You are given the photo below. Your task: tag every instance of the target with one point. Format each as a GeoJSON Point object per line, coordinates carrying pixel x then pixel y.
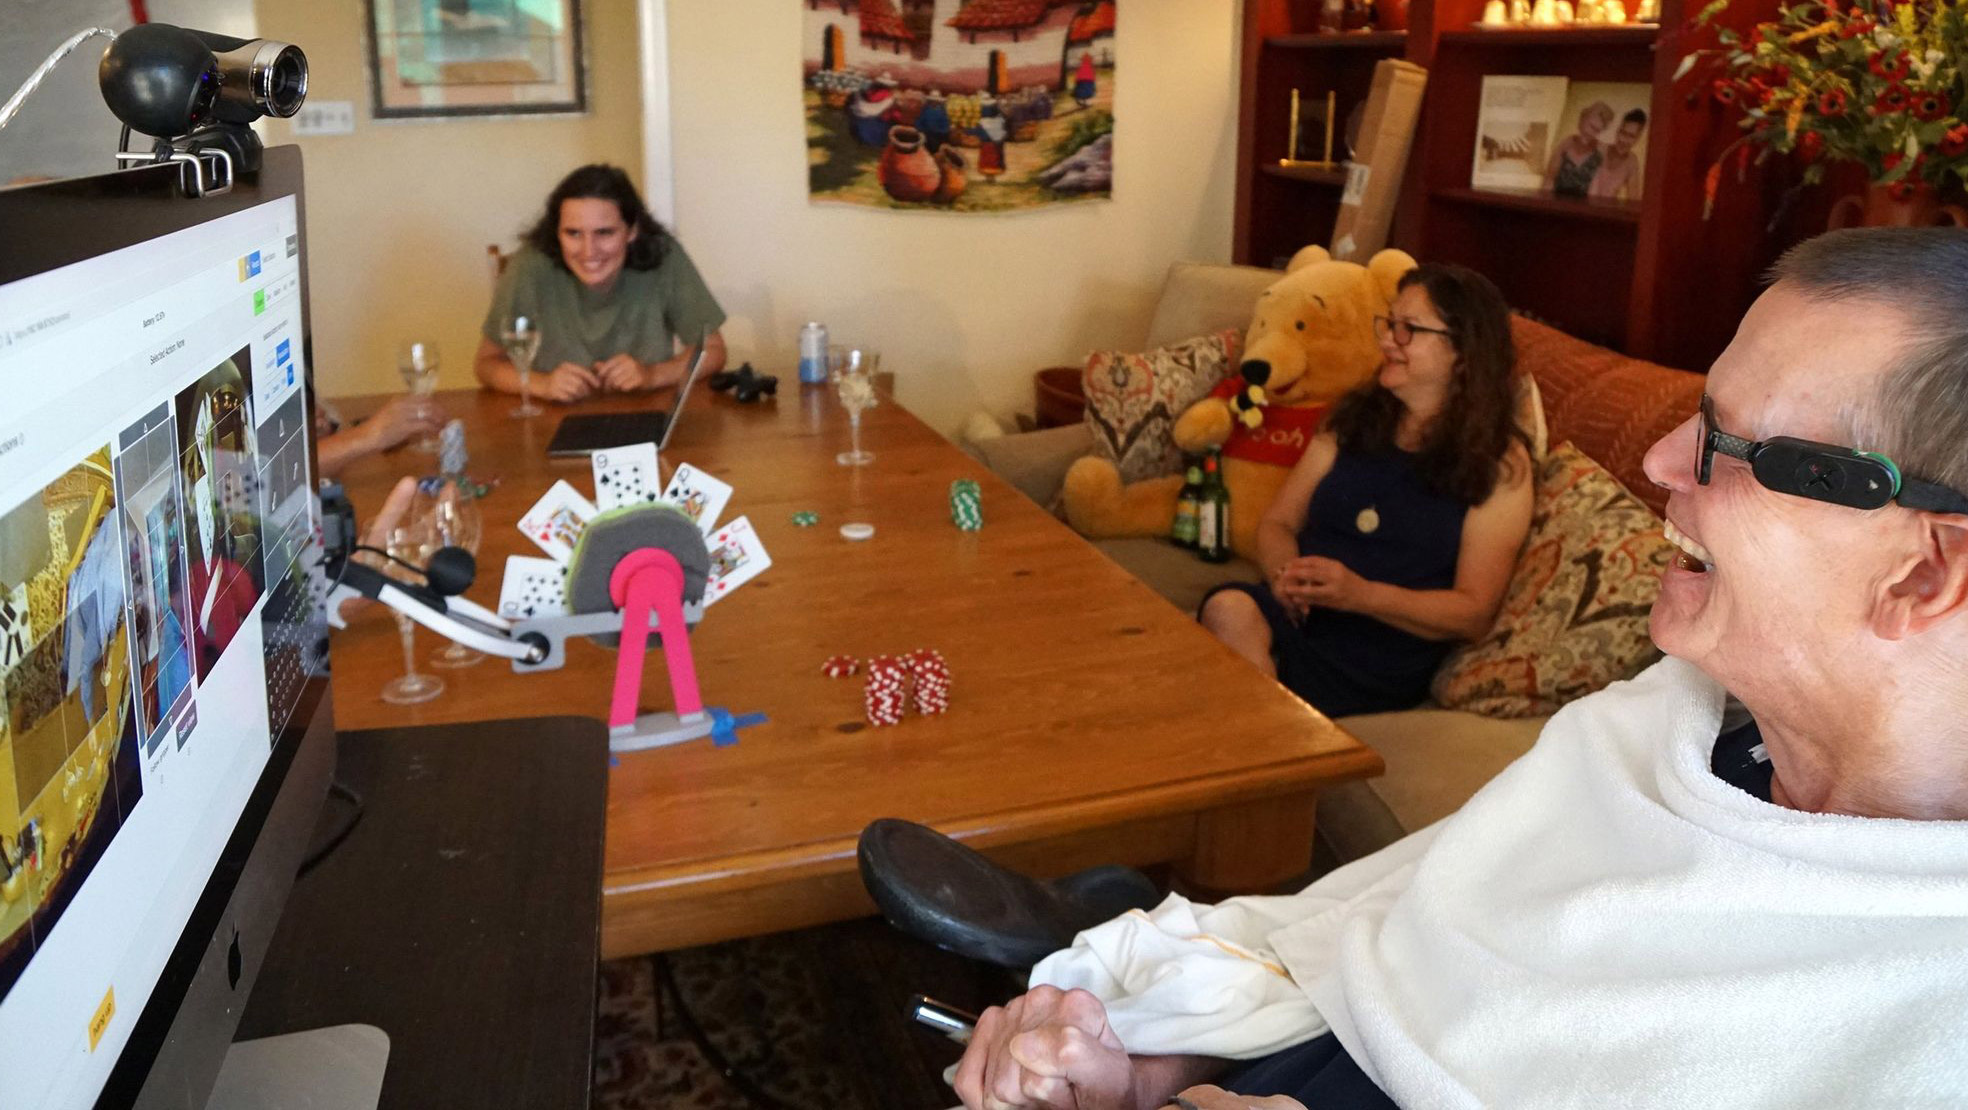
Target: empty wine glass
{"type": "Point", "coordinates": [454, 521]}
{"type": "Point", "coordinates": [413, 541]}
{"type": "Point", "coordinates": [522, 343]}
{"type": "Point", "coordinates": [853, 372]}
{"type": "Point", "coordinates": [417, 360]}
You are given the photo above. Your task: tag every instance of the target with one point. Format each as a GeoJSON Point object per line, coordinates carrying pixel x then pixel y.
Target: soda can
{"type": "Point", "coordinates": [813, 353]}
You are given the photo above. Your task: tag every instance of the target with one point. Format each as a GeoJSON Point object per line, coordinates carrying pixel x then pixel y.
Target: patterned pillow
{"type": "Point", "coordinates": [1575, 616]}
{"type": "Point", "coordinates": [1133, 400]}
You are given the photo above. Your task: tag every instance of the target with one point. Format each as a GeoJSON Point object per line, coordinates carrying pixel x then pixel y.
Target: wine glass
{"type": "Point", "coordinates": [853, 372]}
{"type": "Point", "coordinates": [417, 360]}
{"type": "Point", "coordinates": [454, 521]}
{"type": "Point", "coordinates": [522, 343]}
{"type": "Point", "coordinates": [412, 541]}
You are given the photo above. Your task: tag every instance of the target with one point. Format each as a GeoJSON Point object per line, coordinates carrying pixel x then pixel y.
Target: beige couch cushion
{"type": "Point", "coordinates": [1436, 758]}
{"type": "Point", "coordinates": [1200, 297]}
{"type": "Point", "coordinates": [1174, 572]}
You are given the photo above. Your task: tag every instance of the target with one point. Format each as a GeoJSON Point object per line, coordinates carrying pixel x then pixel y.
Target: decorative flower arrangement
{"type": "Point", "coordinates": [1868, 81]}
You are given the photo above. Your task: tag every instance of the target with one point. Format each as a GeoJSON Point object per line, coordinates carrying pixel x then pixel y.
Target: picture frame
{"type": "Point", "coordinates": [447, 58]}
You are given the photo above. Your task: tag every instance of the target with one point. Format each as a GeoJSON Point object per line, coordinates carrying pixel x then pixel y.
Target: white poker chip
{"type": "Point", "coordinates": [858, 531]}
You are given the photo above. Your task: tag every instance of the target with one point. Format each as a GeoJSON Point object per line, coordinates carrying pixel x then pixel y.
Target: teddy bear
{"type": "Point", "coordinates": [1311, 341]}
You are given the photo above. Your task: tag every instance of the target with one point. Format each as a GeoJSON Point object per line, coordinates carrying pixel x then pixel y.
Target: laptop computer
{"type": "Point", "coordinates": [586, 433]}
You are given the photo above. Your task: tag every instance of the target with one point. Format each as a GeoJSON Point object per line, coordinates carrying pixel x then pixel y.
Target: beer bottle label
{"type": "Point", "coordinates": [1183, 530]}
{"type": "Point", "coordinates": [1207, 534]}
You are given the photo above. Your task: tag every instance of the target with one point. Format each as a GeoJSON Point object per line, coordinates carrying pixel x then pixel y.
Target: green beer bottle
{"type": "Point", "coordinates": [1188, 504]}
{"type": "Point", "coordinates": [1213, 515]}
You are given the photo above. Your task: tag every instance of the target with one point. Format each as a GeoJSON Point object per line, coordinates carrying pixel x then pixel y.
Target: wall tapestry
{"type": "Point", "coordinates": [959, 105]}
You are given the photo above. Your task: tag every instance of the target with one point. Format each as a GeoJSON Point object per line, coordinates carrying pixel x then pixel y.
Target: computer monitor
{"type": "Point", "coordinates": [165, 740]}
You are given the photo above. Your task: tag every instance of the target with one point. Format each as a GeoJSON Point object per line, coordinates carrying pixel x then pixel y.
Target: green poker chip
{"type": "Point", "coordinates": [966, 505]}
{"type": "Point", "coordinates": [806, 520]}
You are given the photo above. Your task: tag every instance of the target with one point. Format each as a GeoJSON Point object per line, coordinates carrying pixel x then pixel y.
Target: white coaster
{"type": "Point", "coordinates": [858, 531]}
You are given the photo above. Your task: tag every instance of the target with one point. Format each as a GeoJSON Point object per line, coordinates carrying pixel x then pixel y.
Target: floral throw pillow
{"type": "Point", "coordinates": [1575, 617]}
{"type": "Point", "coordinates": [1134, 400]}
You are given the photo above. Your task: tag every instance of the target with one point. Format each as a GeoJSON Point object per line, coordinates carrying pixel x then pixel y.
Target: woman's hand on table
{"type": "Point", "coordinates": [566, 383]}
{"type": "Point", "coordinates": [623, 374]}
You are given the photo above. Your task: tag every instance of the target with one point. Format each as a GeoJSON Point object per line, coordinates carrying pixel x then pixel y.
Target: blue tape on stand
{"type": "Point", "coordinates": [724, 727]}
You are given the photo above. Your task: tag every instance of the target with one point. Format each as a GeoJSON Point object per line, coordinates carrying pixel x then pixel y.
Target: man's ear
{"type": "Point", "coordinates": [1931, 585]}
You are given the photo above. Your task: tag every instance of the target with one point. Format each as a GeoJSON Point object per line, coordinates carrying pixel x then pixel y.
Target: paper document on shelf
{"type": "Point", "coordinates": [1517, 129]}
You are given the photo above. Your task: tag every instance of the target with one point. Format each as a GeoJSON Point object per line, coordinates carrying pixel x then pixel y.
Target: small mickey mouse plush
{"type": "Point", "coordinates": [746, 384]}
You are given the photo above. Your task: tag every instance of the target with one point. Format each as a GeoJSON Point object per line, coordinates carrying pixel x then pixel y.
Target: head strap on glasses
{"type": "Point", "coordinates": [1824, 471]}
{"type": "Point", "coordinates": [1840, 476]}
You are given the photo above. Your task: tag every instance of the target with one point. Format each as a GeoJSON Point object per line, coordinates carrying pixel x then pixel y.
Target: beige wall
{"type": "Point", "coordinates": [399, 212]}
{"type": "Point", "coordinates": [964, 308]}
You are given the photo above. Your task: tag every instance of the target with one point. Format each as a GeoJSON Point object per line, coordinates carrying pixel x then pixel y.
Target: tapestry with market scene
{"type": "Point", "coordinates": [959, 105]}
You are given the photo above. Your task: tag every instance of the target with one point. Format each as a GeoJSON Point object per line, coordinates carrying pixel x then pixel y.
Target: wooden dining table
{"type": "Point", "coordinates": [1090, 721]}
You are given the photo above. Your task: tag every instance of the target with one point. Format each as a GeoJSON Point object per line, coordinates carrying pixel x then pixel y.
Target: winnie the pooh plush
{"type": "Point", "coordinates": [1311, 340]}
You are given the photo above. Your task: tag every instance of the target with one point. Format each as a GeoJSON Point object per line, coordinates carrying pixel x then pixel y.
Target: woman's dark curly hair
{"type": "Point", "coordinates": [1463, 448]}
{"type": "Point", "coordinates": [602, 182]}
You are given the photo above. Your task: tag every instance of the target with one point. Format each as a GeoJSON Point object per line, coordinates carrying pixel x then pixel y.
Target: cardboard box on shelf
{"type": "Point", "coordinates": [1373, 177]}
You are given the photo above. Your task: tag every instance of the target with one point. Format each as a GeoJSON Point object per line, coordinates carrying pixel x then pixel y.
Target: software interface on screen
{"type": "Point", "coordinates": [156, 619]}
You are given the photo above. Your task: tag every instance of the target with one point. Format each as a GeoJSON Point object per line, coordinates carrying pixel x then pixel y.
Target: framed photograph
{"type": "Point", "coordinates": [1515, 130]}
{"type": "Point", "coordinates": [475, 58]}
{"type": "Point", "coordinates": [1605, 141]}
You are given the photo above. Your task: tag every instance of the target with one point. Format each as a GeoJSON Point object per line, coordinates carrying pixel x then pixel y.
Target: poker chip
{"type": "Point", "coordinates": [806, 519]}
{"type": "Point", "coordinates": [930, 674]}
{"type": "Point", "coordinates": [887, 694]}
{"type": "Point", "coordinates": [858, 531]}
{"type": "Point", "coordinates": [841, 666]}
{"type": "Point", "coordinates": [966, 505]}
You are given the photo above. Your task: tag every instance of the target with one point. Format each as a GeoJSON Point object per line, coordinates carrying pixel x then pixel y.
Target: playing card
{"type": "Point", "coordinates": [701, 497]}
{"type": "Point", "coordinates": [557, 520]}
{"type": "Point", "coordinates": [625, 476]}
{"type": "Point", "coordinates": [533, 587]}
{"type": "Point", "coordinates": [737, 557]}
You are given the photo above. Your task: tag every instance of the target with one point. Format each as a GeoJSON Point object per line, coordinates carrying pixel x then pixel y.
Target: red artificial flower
{"type": "Point", "coordinates": [1810, 146]}
{"type": "Point", "coordinates": [1831, 102]}
{"type": "Point", "coordinates": [1894, 99]}
{"type": "Point", "coordinates": [1930, 106]}
{"type": "Point", "coordinates": [1954, 143]}
{"type": "Point", "coordinates": [1892, 69]}
{"type": "Point", "coordinates": [1779, 76]}
{"type": "Point", "coordinates": [1859, 25]}
{"type": "Point", "coordinates": [1892, 161]}
{"type": "Point", "coordinates": [1902, 189]}
{"type": "Point", "coordinates": [1725, 91]}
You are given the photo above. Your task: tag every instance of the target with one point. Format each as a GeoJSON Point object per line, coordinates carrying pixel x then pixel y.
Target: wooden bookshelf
{"type": "Point", "coordinates": [1309, 175]}
{"type": "Point", "coordinates": [1389, 41]}
{"type": "Point", "coordinates": [1544, 204]}
{"type": "Point", "coordinates": [1646, 276]}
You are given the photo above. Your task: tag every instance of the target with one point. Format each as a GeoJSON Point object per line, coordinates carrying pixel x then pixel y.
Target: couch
{"type": "Point", "coordinates": [1611, 406]}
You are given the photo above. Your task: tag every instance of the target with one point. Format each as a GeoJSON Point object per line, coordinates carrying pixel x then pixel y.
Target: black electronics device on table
{"type": "Point", "coordinates": [588, 432]}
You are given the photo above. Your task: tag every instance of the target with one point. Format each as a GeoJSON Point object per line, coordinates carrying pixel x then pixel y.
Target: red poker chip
{"type": "Point", "coordinates": [840, 666]}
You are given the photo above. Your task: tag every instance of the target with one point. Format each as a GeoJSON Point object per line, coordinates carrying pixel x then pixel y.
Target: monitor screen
{"type": "Point", "coordinates": [158, 617]}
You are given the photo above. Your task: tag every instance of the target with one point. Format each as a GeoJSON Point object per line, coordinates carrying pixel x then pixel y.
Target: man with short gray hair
{"type": "Point", "coordinates": [1644, 910]}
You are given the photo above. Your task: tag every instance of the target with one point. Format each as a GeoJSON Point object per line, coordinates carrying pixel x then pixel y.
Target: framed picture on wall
{"type": "Point", "coordinates": [475, 57]}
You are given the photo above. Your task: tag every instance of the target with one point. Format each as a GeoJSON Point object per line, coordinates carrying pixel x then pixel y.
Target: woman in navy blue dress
{"type": "Point", "coordinates": [1396, 533]}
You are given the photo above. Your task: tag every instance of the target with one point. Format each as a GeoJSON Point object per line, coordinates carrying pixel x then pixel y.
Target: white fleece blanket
{"type": "Point", "coordinates": [1606, 923]}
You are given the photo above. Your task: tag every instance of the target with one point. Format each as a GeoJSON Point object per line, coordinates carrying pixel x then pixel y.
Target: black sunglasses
{"type": "Point", "coordinates": [1821, 471]}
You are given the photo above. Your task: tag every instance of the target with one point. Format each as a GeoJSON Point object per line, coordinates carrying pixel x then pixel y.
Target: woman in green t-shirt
{"type": "Point", "coordinates": [618, 304]}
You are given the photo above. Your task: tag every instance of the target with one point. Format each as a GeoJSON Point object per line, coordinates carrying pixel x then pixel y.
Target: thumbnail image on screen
{"type": "Point", "coordinates": [68, 766]}
{"type": "Point", "coordinates": [157, 576]}
{"type": "Point", "coordinates": [217, 454]}
{"type": "Point", "coordinates": [294, 630]}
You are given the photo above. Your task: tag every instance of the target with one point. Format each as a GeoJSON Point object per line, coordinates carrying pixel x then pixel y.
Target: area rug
{"type": "Point", "coordinates": [807, 1020]}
